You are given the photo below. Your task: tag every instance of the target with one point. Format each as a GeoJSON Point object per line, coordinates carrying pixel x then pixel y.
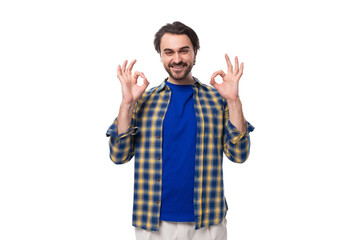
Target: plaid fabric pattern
{"type": "Point", "coordinates": [215, 135]}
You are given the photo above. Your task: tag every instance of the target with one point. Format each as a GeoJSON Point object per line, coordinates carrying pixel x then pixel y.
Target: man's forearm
{"type": "Point", "coordinates": [124, 116]}
{"type": "Point", "coordinates": [236, 115]}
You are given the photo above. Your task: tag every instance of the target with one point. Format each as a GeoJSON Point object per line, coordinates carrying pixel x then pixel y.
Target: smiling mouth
{"type": "Point", "coordinates": [178, 67]}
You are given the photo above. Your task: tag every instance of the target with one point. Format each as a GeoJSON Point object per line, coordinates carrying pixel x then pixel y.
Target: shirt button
{"type": "Point", "coordinates": [157, 202]}
{"type": "Point", "coordinates": [158, 158]}
{"type": "Point", "coordinates": [158, 179]}
{"type": "Point", "coordinates": [158, 136]}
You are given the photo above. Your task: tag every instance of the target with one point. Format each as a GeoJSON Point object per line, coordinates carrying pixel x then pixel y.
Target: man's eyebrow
{"type": "Point", "coordinates": [182, 48]}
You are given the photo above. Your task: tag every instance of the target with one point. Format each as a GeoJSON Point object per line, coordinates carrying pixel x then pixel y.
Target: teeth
{"type": "Point", "coordinates": [178, 67]}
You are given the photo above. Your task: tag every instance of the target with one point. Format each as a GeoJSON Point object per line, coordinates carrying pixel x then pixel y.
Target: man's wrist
{"type": "Point", "coordinates": [127, 105]}
{"type": "Point", "coordinates": [234, 102]}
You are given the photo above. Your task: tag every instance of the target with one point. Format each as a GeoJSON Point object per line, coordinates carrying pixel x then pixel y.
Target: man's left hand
{"type": "Point", "coordinates": [229, 88]}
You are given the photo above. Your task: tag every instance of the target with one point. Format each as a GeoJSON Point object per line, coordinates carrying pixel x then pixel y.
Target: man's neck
{"type": "Point", "coordinates": [189, 80]}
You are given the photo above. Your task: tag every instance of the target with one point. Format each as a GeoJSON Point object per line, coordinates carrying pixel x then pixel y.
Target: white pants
{"type": "Point", "coordinates": [183, 231]}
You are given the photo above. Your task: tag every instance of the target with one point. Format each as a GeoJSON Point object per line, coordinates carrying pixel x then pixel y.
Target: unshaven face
{"type": "Point", "coordinates": [178, 56]}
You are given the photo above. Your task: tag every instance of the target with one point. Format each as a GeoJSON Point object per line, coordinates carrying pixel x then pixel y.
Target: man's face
{"type": "Point", "coordinates": [178, 56]}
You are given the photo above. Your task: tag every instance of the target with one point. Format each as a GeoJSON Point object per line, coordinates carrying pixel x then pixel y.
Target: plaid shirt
{"type": "Point", "coordinates": [215, 135]}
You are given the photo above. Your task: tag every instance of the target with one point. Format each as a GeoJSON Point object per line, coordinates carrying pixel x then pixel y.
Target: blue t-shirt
{"type": "Point", "coordinates": [178, 164]}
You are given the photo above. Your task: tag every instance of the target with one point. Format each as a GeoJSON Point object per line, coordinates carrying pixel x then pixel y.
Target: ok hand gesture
{"type": "Point", "coordinates": [230, 86]}
{"type": "Point", "coordinates": [131, 92]}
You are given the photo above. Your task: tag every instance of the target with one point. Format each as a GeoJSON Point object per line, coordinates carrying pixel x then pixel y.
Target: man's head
{"type": "Point", "coordinates": [177, 45]}
{"type": "Point", "coordinates": [177, 28]}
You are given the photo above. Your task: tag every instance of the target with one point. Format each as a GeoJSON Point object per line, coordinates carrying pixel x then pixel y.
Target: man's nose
{"type": "Point", "coordinates": [177, 58]}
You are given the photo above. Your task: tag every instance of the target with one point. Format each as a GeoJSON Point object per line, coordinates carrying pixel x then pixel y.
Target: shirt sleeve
{"type": "Point", "coordinates": [236, 143]}
{"type": "Point", "coordinates": [121, 145]}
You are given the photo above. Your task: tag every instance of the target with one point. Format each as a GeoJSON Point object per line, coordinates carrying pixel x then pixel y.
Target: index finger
{"type": "Point", "coordinates": [136, 76]}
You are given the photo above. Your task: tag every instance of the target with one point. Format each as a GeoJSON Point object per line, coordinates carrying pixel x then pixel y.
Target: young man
{"type": "Point", "coordinates": [178, 132]}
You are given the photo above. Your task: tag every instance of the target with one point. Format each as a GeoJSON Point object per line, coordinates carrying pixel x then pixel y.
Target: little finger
{"type": "Point", "coordinates": [119, 71]}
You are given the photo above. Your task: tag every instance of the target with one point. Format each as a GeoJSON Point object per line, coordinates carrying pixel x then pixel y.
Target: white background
{"type": "Point", "coordinates": [59, 94]}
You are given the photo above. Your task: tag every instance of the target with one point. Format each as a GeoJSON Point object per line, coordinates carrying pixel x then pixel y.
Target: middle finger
{"type": "Point", "coordinates": [124, 66]}
{"type": "Point", "coordinates": [236, 70]}
{"type": "Point", "coordinates": [230, 66]}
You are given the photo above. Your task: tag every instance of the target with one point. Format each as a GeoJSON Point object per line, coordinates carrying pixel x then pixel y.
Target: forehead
{"type": "Point", "coordinates": [175, 41]}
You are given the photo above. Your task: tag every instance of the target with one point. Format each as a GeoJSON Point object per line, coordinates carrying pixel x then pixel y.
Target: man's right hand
{"type": "Point", "coordinates": [131, 91]}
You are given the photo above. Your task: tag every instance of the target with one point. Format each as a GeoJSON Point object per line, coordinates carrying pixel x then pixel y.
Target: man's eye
{"type": "Point", "coordinates": [168, 53]}
{"type": "Point", "coordinates": [184, 51]}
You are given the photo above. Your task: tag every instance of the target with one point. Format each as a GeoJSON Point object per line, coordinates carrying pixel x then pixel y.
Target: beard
{"type": "Point", "coordinates": [181, 75]}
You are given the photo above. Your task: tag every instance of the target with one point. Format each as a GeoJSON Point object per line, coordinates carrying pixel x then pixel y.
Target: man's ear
{"type": "Point", "coordinates": [195, 56]}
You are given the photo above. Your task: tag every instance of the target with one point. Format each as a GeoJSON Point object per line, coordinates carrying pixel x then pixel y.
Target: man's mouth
{"type": "Point", "coordinates": [178, 66]}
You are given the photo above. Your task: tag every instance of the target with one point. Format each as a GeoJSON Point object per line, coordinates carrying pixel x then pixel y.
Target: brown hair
{"type": "Point", "coordinates": [176, 28]}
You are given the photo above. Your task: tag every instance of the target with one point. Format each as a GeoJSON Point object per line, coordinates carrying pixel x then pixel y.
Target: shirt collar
{"type": "Point", "coordinates": [163, 84]}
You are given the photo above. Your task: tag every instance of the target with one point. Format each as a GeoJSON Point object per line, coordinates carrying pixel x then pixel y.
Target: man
{"type": "Point", "coordinates": [178, 132]}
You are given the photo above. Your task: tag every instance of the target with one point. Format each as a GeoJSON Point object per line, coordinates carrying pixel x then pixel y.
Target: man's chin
{"type": "Point", "coordinates": [180, 76]}
{"type": "Point", "coordinates": [177, 76]}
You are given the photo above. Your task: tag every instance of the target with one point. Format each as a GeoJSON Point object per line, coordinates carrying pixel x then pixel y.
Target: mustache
{"type": "Point", "coordinates": [178, 64]}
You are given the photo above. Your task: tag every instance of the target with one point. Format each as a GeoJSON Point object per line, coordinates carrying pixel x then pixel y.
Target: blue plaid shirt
{"type": "Point", "coordinates": [215, 135]}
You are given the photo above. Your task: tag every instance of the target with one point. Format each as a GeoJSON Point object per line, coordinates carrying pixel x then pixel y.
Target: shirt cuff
{"type": "Point", "coordinates": [113, 132]}
{"type": "Point", "coordinates": [234, 135]}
